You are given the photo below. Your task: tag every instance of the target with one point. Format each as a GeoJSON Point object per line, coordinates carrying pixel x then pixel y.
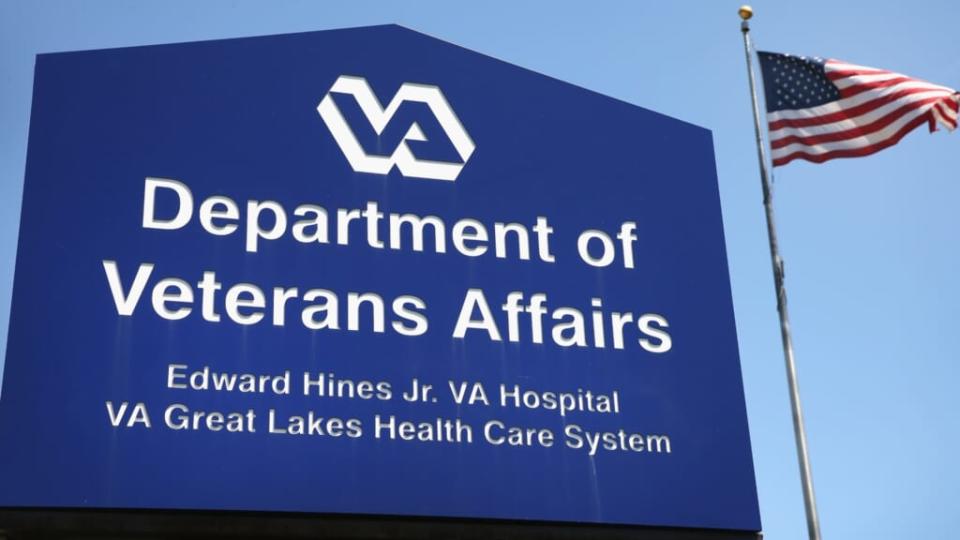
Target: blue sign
{"type": "Point", "coordinates": [369, 272]}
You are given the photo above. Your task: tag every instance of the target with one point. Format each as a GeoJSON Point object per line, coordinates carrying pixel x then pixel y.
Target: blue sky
{"type": "Point", "coordinates": [870, 244]}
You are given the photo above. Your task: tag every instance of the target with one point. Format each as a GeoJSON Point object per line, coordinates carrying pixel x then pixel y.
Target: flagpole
{"type": "Point", "coordinates": [806, 477]}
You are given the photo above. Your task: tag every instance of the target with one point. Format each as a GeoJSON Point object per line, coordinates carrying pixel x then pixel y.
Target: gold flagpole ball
{"type": "Point", "coordinates": [745, 12]}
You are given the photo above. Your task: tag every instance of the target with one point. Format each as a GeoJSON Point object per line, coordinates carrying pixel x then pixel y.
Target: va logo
{"type": "Point", "coordinates": [379, 117]}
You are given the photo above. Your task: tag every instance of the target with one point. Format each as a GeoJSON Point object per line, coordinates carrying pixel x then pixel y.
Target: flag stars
{"type": "Point", "coordinates": [796, 81]}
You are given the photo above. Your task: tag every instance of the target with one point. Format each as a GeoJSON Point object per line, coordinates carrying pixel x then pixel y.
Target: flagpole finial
{"type": "Point", "coordinates": [746, 12]}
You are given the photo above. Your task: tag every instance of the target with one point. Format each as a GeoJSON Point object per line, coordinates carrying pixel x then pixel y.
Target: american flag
{"type": "Point", "coordinates": [820, 109]}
